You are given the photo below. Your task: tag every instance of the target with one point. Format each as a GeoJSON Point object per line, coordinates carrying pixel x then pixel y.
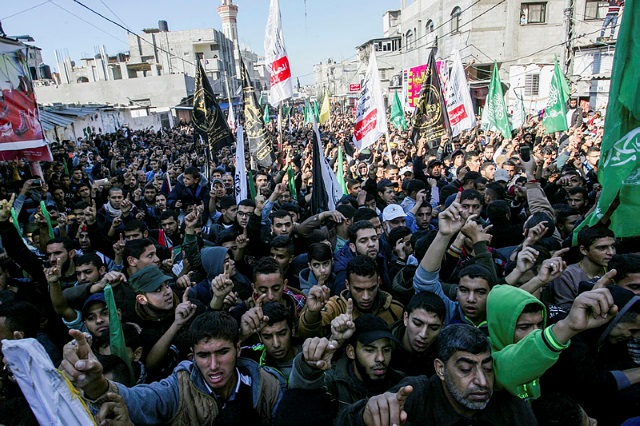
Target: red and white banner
{"type": "Point", "coordinates": [21, 134]}
{"type": "Point", "coordinates": [354, 87]}
{"type": "Point", "coordinates": [371, 117]}
{"type": "Point", "coordinates": [276, 57]}
{"type": "Point", "coordinates": [458, 98]}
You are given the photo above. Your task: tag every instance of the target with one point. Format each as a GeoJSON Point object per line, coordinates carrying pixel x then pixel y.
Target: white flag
{"type": "Point", "coordinates": [458, 98]}
{"type": "Point", "coordinates": [276, 57]}
{"type": "Point", "coordinates": [231, 118]}
{"type": "Point", "coordinates": [371, 116]}
{"type": "Point", "coordinates": [329, 180]}
{"type": "Point", "coordinates": [240, 178]}
{"type": "Point", "coordinates": [51, 397]}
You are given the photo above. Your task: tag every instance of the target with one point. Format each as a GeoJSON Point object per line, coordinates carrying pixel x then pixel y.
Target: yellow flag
{"type": "Point", "coordinates": [324, 111]}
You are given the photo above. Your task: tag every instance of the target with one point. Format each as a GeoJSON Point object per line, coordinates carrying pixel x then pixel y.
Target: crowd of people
{"type": "Point", "coordinates": [443, 289]}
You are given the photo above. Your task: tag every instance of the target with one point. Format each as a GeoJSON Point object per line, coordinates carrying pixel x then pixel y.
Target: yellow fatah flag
{"type": "Point", "coordinates": [325, 110]}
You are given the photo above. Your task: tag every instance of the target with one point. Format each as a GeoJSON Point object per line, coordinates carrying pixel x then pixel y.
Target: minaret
{"type": "Point", "coordinates": [228, 13]}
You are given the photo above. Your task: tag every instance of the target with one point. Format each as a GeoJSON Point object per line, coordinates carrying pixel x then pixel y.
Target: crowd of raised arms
{"type": "Point", "coordinates": [446, 288]}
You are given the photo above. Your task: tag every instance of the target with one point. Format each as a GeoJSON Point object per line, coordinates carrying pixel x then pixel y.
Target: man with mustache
{"type": "Point", "coordinates": [462, 390]}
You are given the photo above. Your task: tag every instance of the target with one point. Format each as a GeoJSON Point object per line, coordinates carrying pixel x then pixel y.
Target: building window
{"type": "Point", "coordinates": [533, 13]}
{"type": "Point", "coordinates": [410, 40]}
{"type": "Point", "coordinates": [429, 27]}
{"type": "Point", "coordinates": [531, 84]}
{"type": "Point", "coordinates": [455, 19]}
{"type": "Point", "coordinates": [595, 9]}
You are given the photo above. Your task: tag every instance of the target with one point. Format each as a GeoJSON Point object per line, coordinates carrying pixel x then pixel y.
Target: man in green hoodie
{"type": "Point", "coordinates": [523, 346]}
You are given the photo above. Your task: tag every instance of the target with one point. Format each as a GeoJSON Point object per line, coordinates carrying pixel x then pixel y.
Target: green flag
{"type": "Point", "coordinates": [45, 213]}
{"type": "Point", "coordinates": [397, 114]}
{"type": "Point", "coordinates": [316, 111]}
{"type": "Point", "coordinates": [14, 219]}
{"type": "Point", "coordinates": [116, 336]}
{"type": "Point", "coordinates": [308, 115]}
{"type": "Point", "coordinates": [555, 113]}
{"type": "Point", "coordinates": [292, 183]}
{"type": "Point", "coordinates": [265, 116]}
{"type": "Point", "coordinates": [619, 166]}
{"type": "Point", "coordinates": [496, 108]}
{"type": "Point", "coordinates": [252, 186]}
{"type": "Point", "coordinates": [340, 176]}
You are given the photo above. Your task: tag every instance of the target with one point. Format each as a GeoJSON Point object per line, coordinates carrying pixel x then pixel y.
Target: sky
{"type": "Point", "coordinates": [314, 30]}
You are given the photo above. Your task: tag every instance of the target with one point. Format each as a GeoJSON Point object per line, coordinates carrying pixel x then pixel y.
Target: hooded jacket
{"type": "Point", "coordinates": [212, 259]}
{"type": "Point", "coordinates": [518, 366]}
{"type": "Point", "coordinates": [308, 280]}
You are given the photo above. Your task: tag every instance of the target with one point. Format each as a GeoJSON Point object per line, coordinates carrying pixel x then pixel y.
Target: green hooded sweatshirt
{"type": "Point", "coordinates": [518, 366]}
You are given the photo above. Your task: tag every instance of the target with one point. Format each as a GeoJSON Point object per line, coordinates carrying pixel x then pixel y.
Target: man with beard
{"type": "Point", "coordinates": [362, 293]}
{"type": "Point", "coordinates": [362, 371]}
{"type": "Point", "coordinates": [460, 392]}
{"type": "Point", "coordinates": [60, 250]}
{"type": "Point", "coordinates": [148, 206]}
{"type": "Point", "coordinates": [161, 317]}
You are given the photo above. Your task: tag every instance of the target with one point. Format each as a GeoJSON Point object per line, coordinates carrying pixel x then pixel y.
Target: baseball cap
{"type": "Point", "coordinates": [392, 211]}
{"type": "Point", "coordinates": [370, 328]}
{"type": "Point", "coordinates": [216, 181]}
{"type": "Point", "coordinates": [433, 163]}
{"type": "Point", "coordinates": [94, 298]}
{"type": "Point", "coordinates": [406, 169]}
{"type": "Point", "coordinates": [148, 279]}
{"type": "Point", "coordinates": [501, 175]}
{"type": "Point", "coordinates": [386, 182]}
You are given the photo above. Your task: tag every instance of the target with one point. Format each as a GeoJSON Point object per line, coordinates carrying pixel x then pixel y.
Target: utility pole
{"type": "Point", "coordinates": [569, 8]}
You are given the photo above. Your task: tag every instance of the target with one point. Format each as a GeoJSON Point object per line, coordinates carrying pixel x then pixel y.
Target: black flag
{"type": "Point", "coordinates": [259, 146]}
{"type": "Point", "coordinates": [430, 119]}
{"type": "Point", "coordinates": [208, 120]}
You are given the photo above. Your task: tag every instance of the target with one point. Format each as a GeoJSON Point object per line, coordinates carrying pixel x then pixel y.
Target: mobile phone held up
{"type": "Point", "coordinates": [525, 153]}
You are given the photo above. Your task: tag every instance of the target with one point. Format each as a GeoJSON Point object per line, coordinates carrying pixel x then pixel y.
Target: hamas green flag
{"type": "Point", "coordinates": [117, 343]}
{"type": "Point", "coordinates": [340, 176]}
{"type": "Point", "coordinates": [308, 115]}
{"type": "Point", "coordinates": [292, 183]}
{"type": "Point", "coordinates": [496, 107]}
{"type": "Point", "coordinates": [316, 111]}
{"type": "Point", "coordinates": [266, 117]}
{"type": "Point", "coordinates": [555, 113]}
{"type": "Point", "coordinates": [252, 186]}
{"type": "Point", "coordinates": [619, 166]}
{"type": "Point", "coordinates": [397, 115]}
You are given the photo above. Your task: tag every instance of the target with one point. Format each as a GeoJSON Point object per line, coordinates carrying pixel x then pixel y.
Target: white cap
{"type": "Point", "coordinates": [392, 211]}
{"type": "Point", "coordinates": [406, 169]}
{"type": "Point", "coordinates": [501, 175]}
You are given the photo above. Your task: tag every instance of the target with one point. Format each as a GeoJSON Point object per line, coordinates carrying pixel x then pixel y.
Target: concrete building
{"type": "Point", "coordinates": [523, 36]}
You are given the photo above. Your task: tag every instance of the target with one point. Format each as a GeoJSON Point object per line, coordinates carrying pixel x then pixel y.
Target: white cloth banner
{"type": "Point", "coordinates": [329, 180]}
{"type": "Point", "coordinates": [371, 116]}
{"type": "Point", "coordinates": [276, 57]}
{"type": "Point", "coordinates": [458, 98]}
{"type": "Point", "coordinates": [519, 116]}
{"type": "Point", "coordinates": [51, 397]}
{"type": "Point", "coordinates": [240, 178]}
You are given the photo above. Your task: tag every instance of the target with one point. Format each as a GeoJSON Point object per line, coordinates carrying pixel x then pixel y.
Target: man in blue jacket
{"type": "Point", "coordinates": [216, 387]}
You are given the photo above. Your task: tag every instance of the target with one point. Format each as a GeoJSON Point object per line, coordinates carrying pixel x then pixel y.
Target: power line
{"type": "Point", "coordinates": [114, 14]}
{"type": "Point", "coordinates": [88, 23]}
{"type": "Point", "coordinates": [133, 33]}
{"type": "Point", "coordinates": [26, 10]}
